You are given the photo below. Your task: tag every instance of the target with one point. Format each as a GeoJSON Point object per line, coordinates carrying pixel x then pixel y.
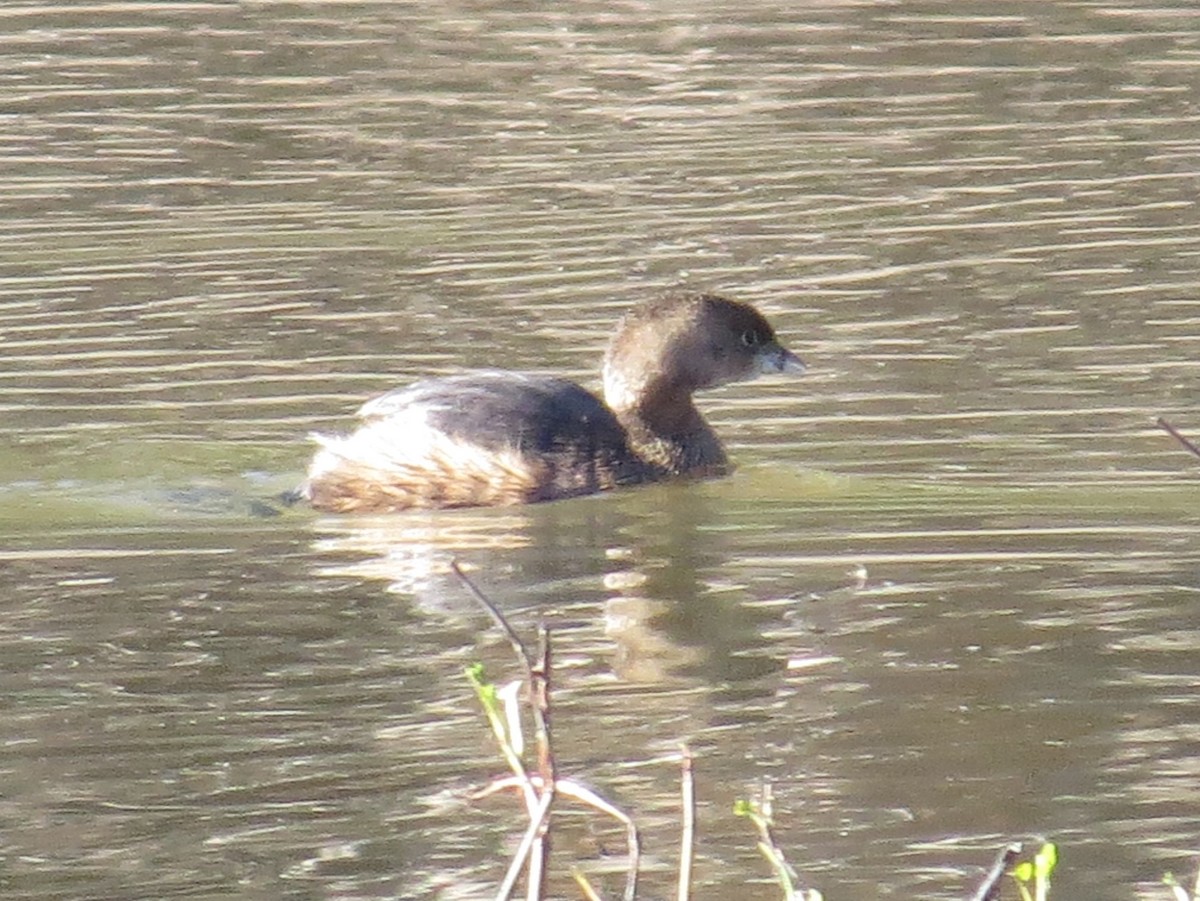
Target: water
{"type": "Point", "coordinates": [947, 600]}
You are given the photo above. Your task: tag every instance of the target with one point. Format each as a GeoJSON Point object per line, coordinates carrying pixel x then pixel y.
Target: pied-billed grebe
{"type": "Point", "coordinates": [490, 438]}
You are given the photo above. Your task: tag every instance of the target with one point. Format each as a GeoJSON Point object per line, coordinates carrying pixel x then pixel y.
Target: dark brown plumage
{"type": "Point", "coordinates": [494, 438]}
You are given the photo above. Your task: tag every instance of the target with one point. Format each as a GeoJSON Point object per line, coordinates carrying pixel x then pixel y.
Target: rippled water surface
{"type": "Point", "coordinates": [949, 599]}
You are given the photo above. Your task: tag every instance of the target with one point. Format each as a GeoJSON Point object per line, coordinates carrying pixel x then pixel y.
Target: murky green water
{"type": "Point", "coordinates": [949, 598]}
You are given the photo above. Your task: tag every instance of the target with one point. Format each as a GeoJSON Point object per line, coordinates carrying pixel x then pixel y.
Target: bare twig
{"type": "Point", "coordinates": [688, 835]}
{"type": "Point", "coordinates": [539, 703]}
{"type": "Point", "coordinates": [989, 889]}
{"type": "Point", "coordinates": [534, 850]}
{"type": "Point", "coordinates": [1178, 436]}
{"type": "Point", "coordinates": [526, 852]}
{"type": "Point", "coordinates": [497, 617]}
{"type": "Point", "coordinates": [585, 795]}
{"type": "Point", "coordinates": [540, 789]}
{"type": "Point", "coordinates": [537, 673]}
{"type": "Point", "coordinates": [539, 700]}
{"type": "Point", "coordinates": [577, 791]}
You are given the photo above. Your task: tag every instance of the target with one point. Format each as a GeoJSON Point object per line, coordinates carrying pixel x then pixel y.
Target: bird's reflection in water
{"type": "Point", "coordinates": [648, 567]}
{"type": "Point", "coordinates": [412, 552]}
{"type": "Point", "coordinates": [643, 652]}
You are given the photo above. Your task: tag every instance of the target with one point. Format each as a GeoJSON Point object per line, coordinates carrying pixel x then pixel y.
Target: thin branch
{"type": "Point", "coordinates": [538, 674]}
{"type": "Point", "coordinates": [498, 618]}
{"type": "Point", "coordinates": [539, 703]}
{"type": "Point", "coordinates": [525, 849]}
{"type": "Point", "coordinates": [535, 846]}
{"type": "Point", "coordinates": [1178, 436]}
{"type": "Point", "coordinates": [584, 795]}
{"type": "Point", "coordinates": [989, 889]}
{"type": "Point", "coordinates": [688, 837]}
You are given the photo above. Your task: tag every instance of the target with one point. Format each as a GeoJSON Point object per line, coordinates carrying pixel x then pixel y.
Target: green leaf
{"type": "Point", "coordinates": [1046, 860]}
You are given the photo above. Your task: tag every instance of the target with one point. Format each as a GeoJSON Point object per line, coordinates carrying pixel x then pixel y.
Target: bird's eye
{"type": "Point", "coordinates": [750, 338]}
